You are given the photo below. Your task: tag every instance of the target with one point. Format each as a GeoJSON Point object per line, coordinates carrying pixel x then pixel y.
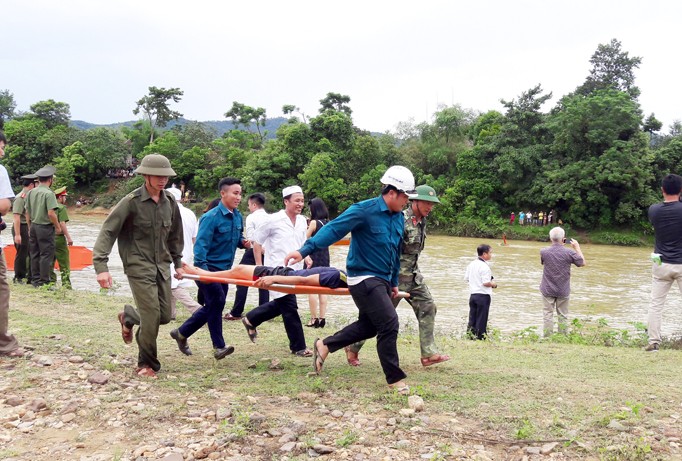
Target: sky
{"type": "Point", "coordinates": [397, 60]}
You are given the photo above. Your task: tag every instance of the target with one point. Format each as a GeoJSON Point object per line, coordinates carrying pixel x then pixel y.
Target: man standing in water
{"type": "Point", "coordinates": [666, 217]}
{"type": "Point", "coordinates": [411, 279]}
{"type": "Point", "coordinates": [373, 263]}
{"type": "Point", "coordinates": [148, 228]}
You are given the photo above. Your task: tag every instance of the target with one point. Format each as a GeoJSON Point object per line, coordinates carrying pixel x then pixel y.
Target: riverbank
{"type": "Point", "coordinates": [615, 236]}
{"type": "Point", "coordinates": [75, 396]}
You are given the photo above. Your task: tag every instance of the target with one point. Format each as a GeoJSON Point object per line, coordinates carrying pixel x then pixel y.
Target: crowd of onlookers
{"type": "Point", "coordinates": [528, 218]}
{"type": "Point", "coordinates": [120, 173]}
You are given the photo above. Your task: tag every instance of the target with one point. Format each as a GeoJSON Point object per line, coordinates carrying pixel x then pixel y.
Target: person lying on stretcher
{"type": "Point", "coordinates": [265, 276]}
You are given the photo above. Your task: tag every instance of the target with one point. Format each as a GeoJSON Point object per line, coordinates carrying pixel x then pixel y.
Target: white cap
{"type": "Point", "coordinates": [176, 192]}
{"type": "Point", "coordinates": [291, 190]}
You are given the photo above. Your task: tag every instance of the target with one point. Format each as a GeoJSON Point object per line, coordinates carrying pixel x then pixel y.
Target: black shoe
{"type": "Point", "coordinates": [182, 342]}
{"type": "Point", "coordinates": [222, 352]}
{"type": "Point", "coordinates": [322, 322]}
{"type": "Point", "coordinates": [314, 323]}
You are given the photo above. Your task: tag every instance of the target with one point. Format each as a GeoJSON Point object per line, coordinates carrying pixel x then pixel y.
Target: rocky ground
{"type": "Point", "coordinates": [70, 410]}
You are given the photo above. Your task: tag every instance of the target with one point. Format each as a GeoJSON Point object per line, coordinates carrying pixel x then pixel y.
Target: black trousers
{"type": "Point", "coordinates": [22, 266]}
{"type": "Point", "coordinates": [377, 317]}
{"type": "Point", "coordinates": [240, 296]}
{"type": "Point", "coordinates": [42, 248]}
{"type": "Point", "coordinates": [479, 306]}
{"type": "Point", "coordinates": [287, 307]}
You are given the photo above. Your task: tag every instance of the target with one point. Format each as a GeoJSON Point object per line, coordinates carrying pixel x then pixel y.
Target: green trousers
{"type": "Point", "coordinates": [424, 308]}
{"type": "Point", "coordinates": [153, 300]}
{"type": "Point", "coordinates": [61, 255]}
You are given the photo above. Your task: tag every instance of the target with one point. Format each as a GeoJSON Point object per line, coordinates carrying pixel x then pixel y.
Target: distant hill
{"type": "Point", "coordinates": [220, 126]}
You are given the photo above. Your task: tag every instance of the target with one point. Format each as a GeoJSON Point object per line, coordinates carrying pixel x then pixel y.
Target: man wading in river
{"type": "Point", "coordinates": [148, 228]}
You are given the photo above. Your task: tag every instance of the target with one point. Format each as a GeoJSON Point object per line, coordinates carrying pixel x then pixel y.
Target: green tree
{"type": "Point", "coordinates": [155, 108]}
{"type": "Point", "coordinates": [138, 135]}
{"type": "Point", "coordinates": [320, 178]}
{"type": "Point", "coordinates": [7, 106]}
{"type": "Point", "coordinates": [52, 112]}
{"type": "Point", "coordinates": [335, 127]}
{"type": "Point", "coordinates": [336, 102]}
{"type": "Point", "coordinates": [290, 109]}
{"type": "Point", "coordinates": [246, 116]}
{"type": "Point", "coordinates": [652, 124]}
{"type": "Point", "coordinates": [612, 68]}
{"type": "Point", "coordinates": [71, 160]}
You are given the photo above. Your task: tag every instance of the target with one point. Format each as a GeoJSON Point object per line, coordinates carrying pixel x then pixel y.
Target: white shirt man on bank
{"type": "Point", "coordinates": [481, 285]}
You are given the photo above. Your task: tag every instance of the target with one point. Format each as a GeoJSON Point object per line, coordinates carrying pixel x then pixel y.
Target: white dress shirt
{"type": "Point", "coordinates": [478, 272]}
{"type": "Point", "coordinates": [280, 237]}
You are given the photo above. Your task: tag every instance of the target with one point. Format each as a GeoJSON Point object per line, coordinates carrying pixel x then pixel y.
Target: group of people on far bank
{"type": "Point", "coordinates": [386, 241]}
{"type": "Point", "coordinates": [528, 218]}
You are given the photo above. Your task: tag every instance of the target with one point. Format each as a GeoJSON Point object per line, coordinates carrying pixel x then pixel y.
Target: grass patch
{"type": "Point", "coordinates": [520, 386]}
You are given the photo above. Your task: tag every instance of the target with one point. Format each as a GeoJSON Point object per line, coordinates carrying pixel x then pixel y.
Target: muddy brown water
{"type": "Point", "coordinates": [615, 284]}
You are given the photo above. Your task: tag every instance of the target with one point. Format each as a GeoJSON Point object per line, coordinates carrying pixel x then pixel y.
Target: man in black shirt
{"type": "Point", "coordinates": [666, 217]}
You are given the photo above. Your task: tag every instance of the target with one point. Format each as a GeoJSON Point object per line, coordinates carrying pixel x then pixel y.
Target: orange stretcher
{"type": "Point", "coordinates": [79, 257]}
{"type": "Point", "coordinates": [284, 288]}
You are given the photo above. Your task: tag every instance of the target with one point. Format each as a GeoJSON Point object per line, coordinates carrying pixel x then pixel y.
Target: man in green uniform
{"type": "Point", "coordinates": [148, 227]}
{"type": "Point", "coordinates": [411, 280]}
{"type": "Point", "coordinates": [63, 240]}
{"type": "Point", "coordinates": [22, 267]}
{"type": "Point", "coordinates": [43, 225]}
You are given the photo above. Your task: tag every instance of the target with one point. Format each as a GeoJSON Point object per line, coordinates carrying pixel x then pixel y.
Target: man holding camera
{"type": "Point", "coordinates": [556, 278]}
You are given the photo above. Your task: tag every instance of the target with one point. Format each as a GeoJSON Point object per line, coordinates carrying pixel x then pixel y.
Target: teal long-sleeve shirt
{"type": "Point", "coordinates": [376, 235]}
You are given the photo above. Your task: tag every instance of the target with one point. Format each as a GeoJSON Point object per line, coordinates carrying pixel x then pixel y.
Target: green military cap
{"type": "Point", "coordinates": [29, 177]}
{"type": "Point", "coordinates": [46, 171]}
{"type": "Point", "coordinates": [60, 191]}
{"type": "Point", "coordinates": [426, 193]}
{"type": "Point", "coordinates": [155, 165]}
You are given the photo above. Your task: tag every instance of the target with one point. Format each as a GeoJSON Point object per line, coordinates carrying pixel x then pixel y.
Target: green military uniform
{"type": "Point", "coordinates": [22, 265]}
{"type": "Point", "coordinates": [149, 239]}
{"type": "Point", "coordinates": [41, 232]}
{"type": "Point", "coordinates": [62, 250]}
{"type": "Point", "coordinates": [411, 280]}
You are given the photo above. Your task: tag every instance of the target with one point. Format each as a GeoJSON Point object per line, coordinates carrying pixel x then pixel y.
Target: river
{"type": "Point", "coordinates": [615, 284]}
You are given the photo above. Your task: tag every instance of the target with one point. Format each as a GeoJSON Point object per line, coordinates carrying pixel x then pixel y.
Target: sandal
{"type": "Point", "coordinates": [352, 357]}
{"type": "Point", "coordinates": [126, 333]}
{"type": "Point", "coordinates": [318, 361]}
{"type": "Point", "coordinates": [314, 323]}
{"type": "Point", "coordinates": [434, 359]}
{"type": "Point", "coordinates": [400, 387]}
{"type": "Point", "coordinates": [146, 372]}
{"type": "Point", "coordinates": [303, 353]}
{"type": "Point", "coordinates": [15, 353]}
{"type": "Point", "coordinates": [249, 330]}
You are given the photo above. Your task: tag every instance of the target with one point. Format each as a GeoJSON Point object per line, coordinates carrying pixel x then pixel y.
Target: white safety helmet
{"type": "Point", "coordinates": [401, 178]}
